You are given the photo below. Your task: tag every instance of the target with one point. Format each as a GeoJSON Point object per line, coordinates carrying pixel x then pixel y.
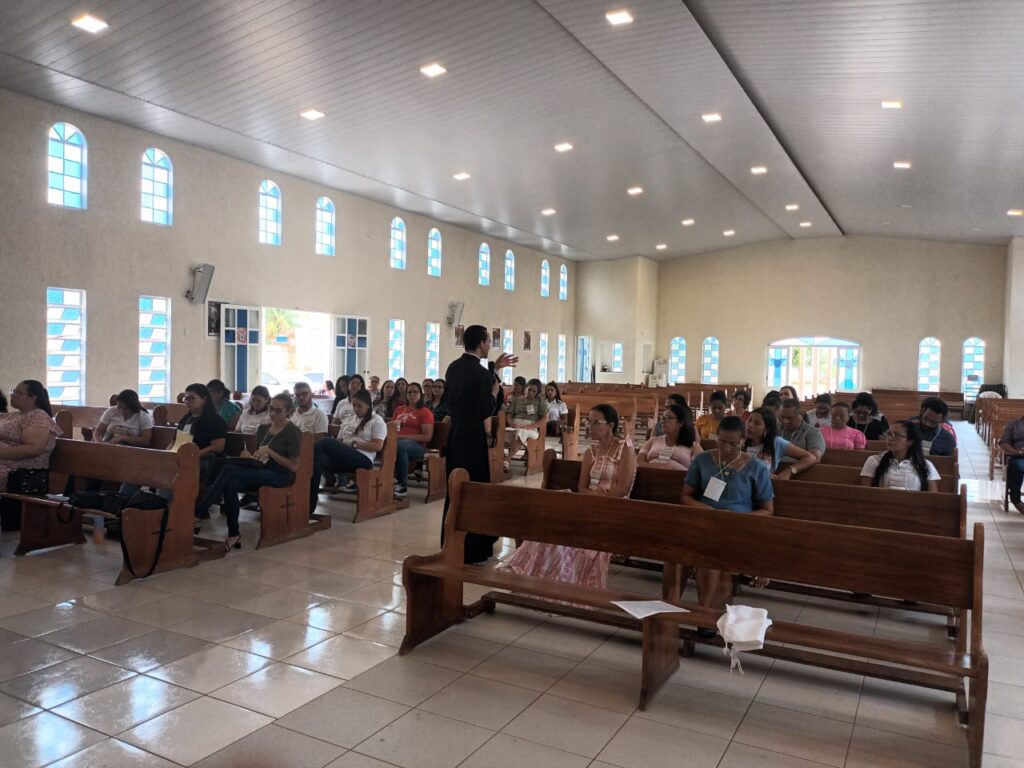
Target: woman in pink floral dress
{"type": "Point", "coordinates": [27, 434]}
{"type": "Point", "coordinates": [609, 467]}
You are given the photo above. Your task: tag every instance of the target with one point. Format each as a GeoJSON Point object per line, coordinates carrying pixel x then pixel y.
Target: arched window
{"type": "Point", "coordinates": [324, 226]}
{"type": "Point", "coordinates": [709, 360]}
{"type": "Point", "coordinates": [617, 356]}
{"type": "Point", "coordinates": [270, 213]}
{"type": "Point", "coordinates": [67, 163]}
{"type": "Point", "coordinates": [542, 363]}
{"type": "Point", "coordinates": [483, 264]}
{"type": "Point", "coordinates": [677, 361]}
{"type": "Point", "coordinates": [434, 253]}
{"type": "Point", "coordinates": [563, 283]}
{"type": "Point", "coordinates": [929, 352]}
{"type": "Point", "coordinates": [157, 188]}
{"type": "Point", "coordinates": [397, 243]}
{"type": "Point", "coordinates": [396, 349]}
{"type": "Point", "coordinates": [507, 346]}
{"type": "Point", "coordinates": [973, 373]}
{"type": "Point", "coordinates": [432, 366]}
{"type": "Point", "coordinates": [545, 279]}
{"type": "Point", "coordinates": [560, 369]}
{"type": "Point", "coordinates": [510, 271]}
{"type": "Point", "coordinates": [814, 364]}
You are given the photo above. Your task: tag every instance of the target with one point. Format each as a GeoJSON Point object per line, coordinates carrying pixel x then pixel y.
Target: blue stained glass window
{"type": "Point", "coordinates": [849, 362]}
{"type": "Point", "coordinates": [777, 357]}
{"type": "Point", "coordinates": [325, 226]}
{"type": "Point", "coordinates": [929, 353]}
{"type": "Point", "coordinates": [542, 365]}
{"type": "Point", "coordinates": [510, 271]}
{"type": "Point", "coordinates": [545, 279]}
{"type": "Point", "coordinates": [67, 167]}
{"type": "Point", "coordinates": [561, 357]}
{"type": "Point", "coordinates": [65, 346]}
{"type": "Point", "coordinates": [157, 188]}
{"type": "Point", "coordinates": [397, 243]}
{"type": "Point", "coordinates": [484, 265]}
{"type": "Point", "coordinates": [433, 359]}
{"type": "Point", "coordinates": [507, 342]}
{"type": "Point", "coordinates": [154, 348]}
{"type": "Point", "coordinates": [617, 357]}
{"type": "Point", "coordinates": [709, 360]}
{"type": "Point", "coordinates": [434, 253]}
{"type": "Point", "coordinates": [973, 373]}
{"type": "Point", "coordinates": [677, 361]}
{"type": "Point", "coordinates": [270, 213]}
{"type": "Point", "coordinates": [563, 283]}
{"type": "Point", "coordinates": [396, 349]}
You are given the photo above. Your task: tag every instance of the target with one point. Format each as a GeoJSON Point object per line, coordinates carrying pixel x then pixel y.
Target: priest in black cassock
{"type": "Point", "coordinates": [470, 392]}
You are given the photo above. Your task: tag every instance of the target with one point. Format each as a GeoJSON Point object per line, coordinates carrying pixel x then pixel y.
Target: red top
{"type": "Point", "coordinates": [410, 419]}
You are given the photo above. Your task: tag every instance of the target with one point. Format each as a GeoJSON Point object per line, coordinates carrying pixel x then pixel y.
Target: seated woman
{"type": "Point", "coordinates": [28, 434]}
{"type": "Point", "coordinates": [257, 413]}
{"type": "Point", "coordinates": [676, 446]}
{"type": "Point", "coordinates": [439, 407]}
{"type": "Point", "coordinates": [340, 392]}
{"type": "Point", "coordinates": [343, 410]}
{"type": "Point", "coordinates": [764, 443]}
{"type": "Point", "coordinates": [428, 394]}
{"type": "Point", "coordinates": [228, 410]}
{"type": "Point", "coordinates": [865, 417]}
{"type": "Point", "coordinates": [903, 466]}
{"type": "Point", "coordinates": [527, 415]}
{"type": "Point", "coordinates": [838, 435]}
{"type": "Point", "coordinates": [415, 430]}
{"type": "Point", "coordinates": [740, 403]}
{"type": "Point", "coordinates": [558, 411]}
{"type": "Point", "coordinates": [277, 457]}
{"type": "Point", "coordinates": [207, 428]}
{"type": "Point", "coordinates": [401, 390]}
{"type": "Point", "coordinates": [609, 468]}
{"type": "Point", "coordinates": [727, 478]}
{"type": "Point", "coordinates": [126, 423]}
{"type": "Point", "coordinates": [388, 400]}
{"type": "Point", "coordinates": [788, 393]}
{"type": "Point", "coordinates": [821, 416]}
{"type": "Point", "coordinates": [707, 425]}
{"type": "Point", "coordinates": [359, 440]}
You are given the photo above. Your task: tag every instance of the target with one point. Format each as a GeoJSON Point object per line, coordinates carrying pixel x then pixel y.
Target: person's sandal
{"type": "Point", "coordinates": [232, 542]}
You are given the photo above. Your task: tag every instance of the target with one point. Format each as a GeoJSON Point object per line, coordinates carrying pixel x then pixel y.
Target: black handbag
{"type": "Point", "coordinates": [145, 500]}
{"type": "Point", "coordinates": [29, 482]}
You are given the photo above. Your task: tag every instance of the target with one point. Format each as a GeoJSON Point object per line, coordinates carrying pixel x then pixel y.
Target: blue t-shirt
{"type": "Point", "coordinates": [781, 444]}
{"type": "Point", "coordinates": [745, 488]}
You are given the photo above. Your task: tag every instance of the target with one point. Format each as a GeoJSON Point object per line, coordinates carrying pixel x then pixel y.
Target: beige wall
{"type": "Point", "coordinates": [886, 294]}
{"type": "Point", "coordinates": [1013, 345]}
{"type": "Point", "coordinates": [110, 253]}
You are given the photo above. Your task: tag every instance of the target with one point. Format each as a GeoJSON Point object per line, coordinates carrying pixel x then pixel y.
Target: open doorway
{"type": "Point", "coordinates": [814, 364]}
{"type": "Point", "coordinates": [296, 347]}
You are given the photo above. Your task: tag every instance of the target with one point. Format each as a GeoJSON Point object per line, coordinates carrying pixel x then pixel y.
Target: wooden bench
{"type": "Point", "coordinates": [45, 523]}
{"type": "Point", "coordinates": [570, 437]}
{"type": "Point", "coordinates": [835, 556]}
{"type": "Point", "coordinates": [84, 418]}
{"type": "Point", "coordinates": [496, 452]}
{"type": "Point", "coordinates": [946, 465]}
{"type": "Point", "coordinates": [165, 414]}
{"type": "Point", "coordinates": [375, 488]}
{"type": "Point", "coordinates": [838, 474]}
{"type": "Point", "coordinates": [433, 462]}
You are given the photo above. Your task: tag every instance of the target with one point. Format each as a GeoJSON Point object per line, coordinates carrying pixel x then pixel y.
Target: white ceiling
{"type": "Point", "coordinates": [798, 83]}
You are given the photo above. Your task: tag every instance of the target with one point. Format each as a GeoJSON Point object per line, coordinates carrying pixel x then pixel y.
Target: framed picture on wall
{"type": "Point", "coordinates": [460, 331]}
{"type": "Point", "coordinates": [496, 338]}
{"type": "Point", "coordinates": [527, 340]}
{"type": "Point", "coordinates": [213, 318]}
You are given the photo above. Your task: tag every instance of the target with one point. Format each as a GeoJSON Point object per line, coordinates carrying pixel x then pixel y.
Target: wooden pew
{"type": "Point", "coordinates": [570, 437]}
{"type": "Point", "coordinates": [625, 406]}
{"type": "Point", "coordinates": [434, 463]}
{"type": "Point", "coordinates": [946, 465]}
{"type": "Point", "coordinates": [375, 488]}
{"type": "Point", "coordinates": [838, 474]}
{"type": "Point", "coordinates": [496, 453]}
{"type": "Point", "coordinates": [165, 414]}
{"type": "Point", "coordinates": [83, 417]}
{"type": "Point", "coordinates": [834, 556]}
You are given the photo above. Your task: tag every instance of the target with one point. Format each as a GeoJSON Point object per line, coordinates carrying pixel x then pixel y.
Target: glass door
{"type": "Point", "coordinates": [351, 345]}
{"type": "Point", "coordinates": [240, 333]}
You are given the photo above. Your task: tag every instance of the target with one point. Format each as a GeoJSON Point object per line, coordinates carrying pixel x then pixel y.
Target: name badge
{"type": "Point", "coordinates": [595, 478]}
{"type": "Point", "coordinates": [926, 446]}
{"type": "Point", "coordinates": [715, 489]}
{"type": "Point", "coordinates": [530, 410]}
{"type": "Point", "coordinates": [665, 455]}
{"type": "Point", "coordinates": [713, 436]}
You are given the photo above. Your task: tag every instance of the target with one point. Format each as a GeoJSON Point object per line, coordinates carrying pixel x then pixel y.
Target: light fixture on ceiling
{"type": "Point", "coordinates": [976, 229]}
{"type": "Point", "coordinates": [619, 17]}
{"type": "Point", "coordinates": [687, 222]}
{"type": "Point", "coordinates": [612, 238]}
{"type": "Point", "coordinates": [433, 69]}
{"type": "Point", "coordinates": [759, 170]}
{"type": "Point", "coordinates": [792, 207]}
{"type": "Point", "coordinates": [805, 224]}
{"type": "Point", "coordinates": [729, 232]}
{"type": "Point", "coordinates": [711, 117]}
{"type": "Point", "coordinates": [564, 146]}
{"type": "Point", "coordinates": [548, 212]}
{"type": "Point", "coordinates": [311, 114]}
{"type": "Point", "coordinates": [903, 165]}
{"type": "Point", "coordinates": [1015, 212]}
{"type": "Point", "coordinates": [461, 176]}
{"type": "Point", "coordinates": [89, 23]}
{"type": "Point", "coordinates": [634, 191]}
{"type": "Point", "coordinates": [661, 246]}
{"type": "Point", "coordinates": [892, 104]}
{"type": "Point", "coordinates": [906, 206]}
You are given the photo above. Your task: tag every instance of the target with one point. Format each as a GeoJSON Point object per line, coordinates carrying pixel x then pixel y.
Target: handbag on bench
{"type": "Point", "coordinates": [29, 482]}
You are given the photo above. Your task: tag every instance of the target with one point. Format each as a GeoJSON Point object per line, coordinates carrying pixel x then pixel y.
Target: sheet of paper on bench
{"type": "Point", "coordinates": [180, 438]}
{"type": "Point", "coordinates": [641, 609]}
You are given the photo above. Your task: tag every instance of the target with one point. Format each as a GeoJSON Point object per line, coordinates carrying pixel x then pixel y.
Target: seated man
{"type": "Point", "coordinates": [1012, 445]}
{"type": "Point", "coordinates": [307, 417]}
{"type": "Point", "coordinates": [821, 415]}
{"type": "Point", "coordinates": [799, 432]}
{"type": "Point", "coordinates": [937, 436]}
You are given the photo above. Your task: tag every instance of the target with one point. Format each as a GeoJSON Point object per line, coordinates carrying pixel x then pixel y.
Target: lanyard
{"type": "Point", "coordinates": [721, 468]}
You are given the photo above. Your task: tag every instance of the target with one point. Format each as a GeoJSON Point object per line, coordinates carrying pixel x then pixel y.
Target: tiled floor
{"type": "Point", "coordinates": [287, 658]}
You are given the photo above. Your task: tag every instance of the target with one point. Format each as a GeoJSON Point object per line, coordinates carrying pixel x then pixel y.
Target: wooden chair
{"type": "Point", "coordinates": [434, 463]}
{"type": "Point", "coordinates": [496, 453]}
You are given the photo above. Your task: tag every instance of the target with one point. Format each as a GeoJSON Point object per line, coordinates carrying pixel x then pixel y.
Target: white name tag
{"type": "Point", "coordinates": [715, 489]}
{"type": "Point", "coordinates": [713, 436]}
{"type": "Point", "coordinates": [595, 478]}
{"type": "Point", "coordinates": [530, 410]}
{"type": "Point", "coordinates": [926, 446]}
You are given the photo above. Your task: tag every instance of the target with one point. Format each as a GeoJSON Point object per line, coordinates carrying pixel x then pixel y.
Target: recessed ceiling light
{"type": "Point", "coordinates": [661, 246]}
{"type": "Point", "coordinates": [612, 238]}
{"type": "Point", "coordinates": [906, 206]}
{"type": "Point", "coordinates": [1015, 212]}
{"type": "Point", "coordinates": [461, 176]}
{"type": "Point", "coordinates": [619, 17]}
{"type": "Point", "coordinates": [792, 207]}
{"type": "Point", "coordinates": [759, 170]}
{"type": "Point", "coordinates": [311, 114]}
{"type": "Point", "coordinates": [711, 117]}
{"type": "Point", "coordinates": [894, 104]}
{"type": "Point", "coordinates": [548, 212]}
{"type": "Point", "coordinates": [976, 229]}
{"type": "Point", "coordinates": [565, 146]}
{"type": "Point", "coordinates": [89, 23]}
{"type": "Point", "coordinates": [805, 224]}
{"type": "Point", "coordinates": [903, 165]}
{"type": "Point", "coordinates": [687, 222]}
{"type": "Point", "coordinates": [729, 232]}
{"type": "Point", "coordinates": [433, 69]}
{"type": "Point", "coordinates": [635, 191]}
{"type": "Point", "coordinates": [886, 223]}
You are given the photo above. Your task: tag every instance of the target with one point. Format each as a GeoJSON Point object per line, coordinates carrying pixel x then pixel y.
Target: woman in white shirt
{"type": "Point", "coordinates": [256, 413]}
{"type": "Point", "coordinates": [558, 411]}
{"type": "Point", "coordinates": [360, 438]}
{"type": "Point", "coordinates": [676, 446]}
{"type": "Point", "coordinates": [126, 423]}
{"type": "Point", "coordinates": [903, 466]}
{"type": "Point", "coordinates": [343, 410]}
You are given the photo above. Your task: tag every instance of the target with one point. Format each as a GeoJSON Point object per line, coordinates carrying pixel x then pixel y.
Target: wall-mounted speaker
{"type": "Point", "coordinates": [202, 276]}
